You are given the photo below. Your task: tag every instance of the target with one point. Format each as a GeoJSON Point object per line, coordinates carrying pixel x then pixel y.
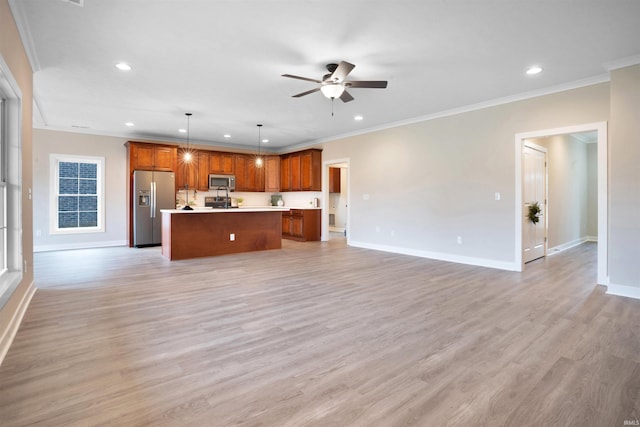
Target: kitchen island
{"type": "Point", "coordinates": [210, 232]}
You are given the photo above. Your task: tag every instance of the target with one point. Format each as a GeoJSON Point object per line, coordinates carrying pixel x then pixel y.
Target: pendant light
{"type": "Point", "coordinates": [187, 156]}
{"type": "Point", "coordinates": [259, 160]}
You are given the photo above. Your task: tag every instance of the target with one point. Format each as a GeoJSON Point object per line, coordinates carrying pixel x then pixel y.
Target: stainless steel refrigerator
{"type": "Point", "coordinates": [152, 191]}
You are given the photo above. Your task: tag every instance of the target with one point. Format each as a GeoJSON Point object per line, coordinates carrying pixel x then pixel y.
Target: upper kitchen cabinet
{"type": "Point", "coordinates": [301, 171]}
{"type": "Point", "coordinates": [249, 177]}
{"type": "Point", "coordinates": [222, 163]}
{"type": "Point", "coordinates": [203, 171]}
{"type": "Point", "coordinates": [187, 172]}
{"type": "Point", "coordinates": [272, 174]}
{"type": "Point", "coordinates": [334, 180]}
{"type": "Point", "coordinates": [153, 157]}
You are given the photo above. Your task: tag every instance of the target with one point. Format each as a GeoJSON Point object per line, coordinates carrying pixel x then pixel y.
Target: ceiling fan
{"type": "Point", "coordinates": [333, 85]}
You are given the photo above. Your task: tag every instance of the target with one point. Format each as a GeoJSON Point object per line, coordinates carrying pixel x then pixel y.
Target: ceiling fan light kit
{"type": "Point", "coordinates": [334, 84]}
{"type": "Point", "coordinates": [332, 90]}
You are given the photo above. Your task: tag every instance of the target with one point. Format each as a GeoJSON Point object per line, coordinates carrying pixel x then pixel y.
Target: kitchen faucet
{"type": "Point", "coordinates": [226, 200]}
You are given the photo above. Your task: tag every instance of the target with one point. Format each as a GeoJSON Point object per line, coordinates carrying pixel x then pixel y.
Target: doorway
{"type": "Point", "coordinates": [335, 194]}
{"type": "Point", "coordinates": [601, 131]}
{"type": "Point", "coordinates": [534, 209]}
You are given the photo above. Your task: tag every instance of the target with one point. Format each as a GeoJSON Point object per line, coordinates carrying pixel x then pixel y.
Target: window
{"type": "Point", "coordinates": [78, 194]}
{"type": "Point", "coordinates": [12, 261]}
{"type": "Point", "coordinates": [3, 194]}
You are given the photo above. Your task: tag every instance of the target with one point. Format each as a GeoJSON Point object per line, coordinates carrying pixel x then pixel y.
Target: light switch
{"type": "Point", "coordinates": [497, 196]}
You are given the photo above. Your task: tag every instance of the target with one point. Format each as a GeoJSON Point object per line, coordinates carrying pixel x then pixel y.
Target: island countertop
{"type": "Point", "coordinates": [229, 210]}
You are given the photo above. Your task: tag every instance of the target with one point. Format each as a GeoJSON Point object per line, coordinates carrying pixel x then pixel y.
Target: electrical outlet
{"type": "Point", "coordinates": [459, 240]}
{"type": "Point", "coordinates": [232, 237]}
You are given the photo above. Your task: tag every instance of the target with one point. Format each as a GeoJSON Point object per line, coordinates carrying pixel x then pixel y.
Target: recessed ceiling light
{"type": "Point", "coordinates": [129, 124]}
{"type": "Point", "coordinates": [182, 130]}
{"type": "Point", "coordinates": [358, 118]}
{"type": "Point", "coordinates": [226, 135]}
{"type": "Point", "coordinates": [123, 66]}
{"type": "Point", "coordinates": [534, 70]}
{"type": "Point", "coordinates": [265, 141]}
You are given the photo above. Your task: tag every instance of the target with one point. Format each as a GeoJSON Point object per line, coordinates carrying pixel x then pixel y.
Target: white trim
{"type": "Point", "coordinates": [622, 63]}
{"type": "Point", "coordinates": [624, 291]}
{"type": "Point", "coordinates": [602, 78]}
{"type": "Point", "coordinates": [569, 245]}
{"type": "Point", "coordinates": [440, 256]}
{"type": "Point", "coordinates": [7, 336]}
{"type": "Point", "coordinates": [603, 198]}
{"type": "Point", "coordinates": [590, 81]}
{"type": "Point", "coordinates": [54, 160]}
{"type": "Point", "coordinates": [88, 245]}
{"type": "Point", "coordinates": [22, 23]}
{"type": "Point", "coordinates": [324, 227]}
{"type": "Point", "coordinates": [16, 263]}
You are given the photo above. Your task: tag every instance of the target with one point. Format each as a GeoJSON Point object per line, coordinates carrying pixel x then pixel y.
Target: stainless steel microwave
{"type": "Point", "coordinates": [219, 181]}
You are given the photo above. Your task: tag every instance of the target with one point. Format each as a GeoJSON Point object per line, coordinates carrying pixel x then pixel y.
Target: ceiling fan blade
{"type": "Point", "coordinates": [346, 97]}
{"type": "Point", "coordinates": [342, 71]}
{"type": "Point", "coordinates": [301, 78]}
{"type": "Point", "coordinates": [305, 93]}
{"type": "Point", "coordinates": [380, 84]}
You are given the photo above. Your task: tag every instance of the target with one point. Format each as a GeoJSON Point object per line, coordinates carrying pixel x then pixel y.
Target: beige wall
{"type": "Point", "coordinates": [624, 173]}
{"type": "Point", "coordinates": [432, 181]}
{"type": "Point", "coordinates": [13, 54]}
{"type": "Point", "coordinates": [45, 143]}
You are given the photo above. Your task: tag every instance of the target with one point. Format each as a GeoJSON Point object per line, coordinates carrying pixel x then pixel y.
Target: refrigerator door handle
{"type": "Point", "coordinates": [152, 211]}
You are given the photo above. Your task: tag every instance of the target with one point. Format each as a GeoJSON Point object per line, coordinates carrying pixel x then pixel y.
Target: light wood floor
{"type": "Point", "coordinates": [320, 334]}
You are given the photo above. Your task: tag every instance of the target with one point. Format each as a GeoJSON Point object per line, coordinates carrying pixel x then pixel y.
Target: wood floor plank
{"type": "Point", "coordinates": [320, 334]}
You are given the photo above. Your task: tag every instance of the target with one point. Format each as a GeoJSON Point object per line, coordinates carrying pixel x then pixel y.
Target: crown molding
{"type": "Point", "coordinates": [622, 63]}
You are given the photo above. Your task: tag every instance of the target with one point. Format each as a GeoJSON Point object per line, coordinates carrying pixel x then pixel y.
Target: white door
{"type": "Point", "coordinates": [534, 234]}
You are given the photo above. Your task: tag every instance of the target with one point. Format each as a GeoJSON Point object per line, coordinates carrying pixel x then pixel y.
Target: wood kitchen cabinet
{"type": "Point", "coordinates": [301, 171]}
{"type": "Point", "coordinates": [334, 180]}
{"type": "Point", "coordinates": [301, 224]}
{"type": "Point", "coordinates": [152, 157]}
{"type": "Point", "coordinates": [222, 163]}
{"type": "Point", "coordinates": [203, 171]}
{"type": "Point", "coordinates": [249, 177]}
{"type": "Point", "coordinates": [187, 172]}
{"type": "Point", "coordinates": [272, 174]}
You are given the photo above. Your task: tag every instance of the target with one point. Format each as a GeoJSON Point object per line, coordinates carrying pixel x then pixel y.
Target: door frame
{"type": "Point", "coordinates": [325, 197]}
{"type": "Point", "coordinates": [545, 205]}
{"type": "Point", "coordinates": [603, 197]}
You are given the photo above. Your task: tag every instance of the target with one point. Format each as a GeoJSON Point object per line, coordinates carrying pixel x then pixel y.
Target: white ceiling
{"type": "Point", "coordinates": [222, 60]}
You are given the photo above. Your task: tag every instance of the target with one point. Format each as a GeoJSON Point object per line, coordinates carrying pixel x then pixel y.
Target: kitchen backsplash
{"type": "Point", "coordinates": [293, 199]}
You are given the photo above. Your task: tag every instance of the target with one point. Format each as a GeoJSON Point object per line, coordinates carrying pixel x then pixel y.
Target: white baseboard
{"type": "Point", "coordinates": [90, 245]}
{"type": "Point", "coordinates": [7, 336]}
{"type": "Point", "coordinates": [336, 229]}
{"type": "Point", "coordinates": [624, 291]}
{"type": "Point", "coordinates": [481, 262]}
{"type": "Point", "coordinates": [572, 244]}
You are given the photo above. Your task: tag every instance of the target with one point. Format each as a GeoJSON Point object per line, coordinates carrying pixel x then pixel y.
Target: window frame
{"type": "Point", "coordinates": [15, 264]}
{"type": "Point", "coordinates": [55, 160]}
